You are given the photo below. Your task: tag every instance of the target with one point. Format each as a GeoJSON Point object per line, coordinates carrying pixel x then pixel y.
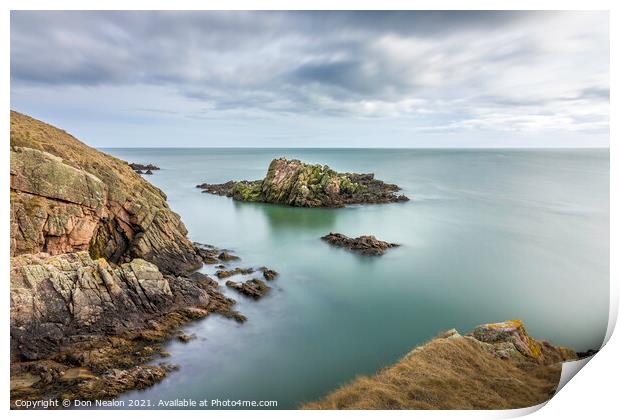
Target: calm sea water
{"type": "Point", "coordinates": [488, 235]}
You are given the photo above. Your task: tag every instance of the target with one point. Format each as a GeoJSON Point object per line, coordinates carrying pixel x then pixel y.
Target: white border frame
{"type": "Point", "coordinates": [594, 394]}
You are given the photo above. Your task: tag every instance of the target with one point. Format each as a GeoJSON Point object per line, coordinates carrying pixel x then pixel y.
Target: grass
{"type": "Point", "coordinates": [29, 132]}
{"type": "Point", "coordinates": [454, 373]}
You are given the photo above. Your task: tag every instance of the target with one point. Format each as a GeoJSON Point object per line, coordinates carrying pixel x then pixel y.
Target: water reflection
{"type": "Point", "coordinates": [291, 218]}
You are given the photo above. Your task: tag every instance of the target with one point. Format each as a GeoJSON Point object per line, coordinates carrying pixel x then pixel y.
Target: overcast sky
{"type": "Point", "coordinates": [316, 79]}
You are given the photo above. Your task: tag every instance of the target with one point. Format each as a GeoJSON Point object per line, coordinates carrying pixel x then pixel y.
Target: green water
{"type": "Point", "coordinates": [488, 235]}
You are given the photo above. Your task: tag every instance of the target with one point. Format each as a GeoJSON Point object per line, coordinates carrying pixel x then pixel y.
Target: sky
{"type": "Point", "coordinates": [315, 79]}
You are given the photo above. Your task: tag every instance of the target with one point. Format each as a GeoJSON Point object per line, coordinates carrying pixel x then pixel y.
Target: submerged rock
{"type": "Point", "coordinates": [185, 338]}
{"type": "Point", "coordinates": [365, 245]}
{"type": "Point", "coordinates": [297, 184]}
{"type": "Point", "coordinates": [254, 288]}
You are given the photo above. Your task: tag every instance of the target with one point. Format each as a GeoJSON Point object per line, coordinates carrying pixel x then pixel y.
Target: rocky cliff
{"type": "Point", "coordinates": [66, 196]}
{"type": "Point", "coordinates": [496, 366]}
{"type": "Point", "coordinates": [101, 270]}
{"type": "Point", "coordinates": [298, 184]}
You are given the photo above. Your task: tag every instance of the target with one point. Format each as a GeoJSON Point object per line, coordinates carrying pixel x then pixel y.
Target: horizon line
{"type": "Point", "coordinates": [364, 148]}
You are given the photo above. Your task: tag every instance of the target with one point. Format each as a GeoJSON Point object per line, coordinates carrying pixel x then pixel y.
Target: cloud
{"type": "Point", "coordinates": [445, 70]}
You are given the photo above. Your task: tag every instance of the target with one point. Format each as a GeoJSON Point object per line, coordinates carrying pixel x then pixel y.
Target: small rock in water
{"type": "Point", "coordinates": [170, 367]}
{"type": "Point", "coordinates": [365, 245]}
{"type": "Point", "coordinates": [254, 288]}
{"type": "Point", "coordinates": [269, 274]}
{"type": "Point", "coordinates": [225, 256]}
{"type": "Point", "coordinates": [186, 338]}
{"type": "Point", "coordinates": [208, 253]}
{"type": "Point", "coordinates": [140, 168]}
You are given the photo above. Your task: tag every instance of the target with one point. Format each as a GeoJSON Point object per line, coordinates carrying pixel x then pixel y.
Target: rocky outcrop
{"type": "Point", "coordinates": [66, 197]}
{"type": "Point", "coordinates": [141, 169]}
{"type": "Point", "coordinates": [507, 338]}
{"type": "Point", "coordinates": [496, 366]}
{"type": "Point", "coordinates": [69, 311]}
{"type": "Point", "coordinates": [55, 207]}
{"type": "Point", "coordinates": [54, 298]}
{"type": "Point", "coordinates": [297, 184]}
{"type": "Point", "coordinates": [253, 288]}
{"type": "Point", "coordinates": [365, 244]}
{"type": "Point", "coordinates": [101, 270]}
{"type": "Point", "coordinates": [213, 255]}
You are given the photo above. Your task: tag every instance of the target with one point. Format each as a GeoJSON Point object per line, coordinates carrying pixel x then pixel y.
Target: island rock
{"type": "Point", "coordinates": [298, 184]}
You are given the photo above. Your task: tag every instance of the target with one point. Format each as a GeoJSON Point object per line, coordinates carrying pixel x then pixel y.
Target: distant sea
{"type": "Point", "coordinates": [488, 235]}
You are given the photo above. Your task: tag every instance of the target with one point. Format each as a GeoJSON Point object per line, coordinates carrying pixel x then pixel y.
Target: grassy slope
{"type": "Point", "coordinates": [451, 373]}
{"type": "Point", "coordinates": [29, 132]}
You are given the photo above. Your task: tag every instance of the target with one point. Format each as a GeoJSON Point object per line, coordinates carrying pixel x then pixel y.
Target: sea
{"type": "Point", "coordinates": [488, 235]}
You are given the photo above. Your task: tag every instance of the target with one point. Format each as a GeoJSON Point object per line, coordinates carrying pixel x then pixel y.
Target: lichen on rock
{"type": "Point", "coordinates": [66, 197]}
{"type": "Point", "coordinates": [297, 184]}
{"type": "Point", "coordinates": [512, 332]}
